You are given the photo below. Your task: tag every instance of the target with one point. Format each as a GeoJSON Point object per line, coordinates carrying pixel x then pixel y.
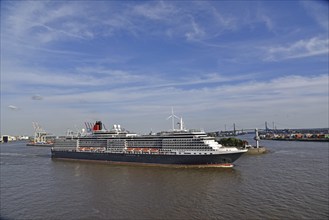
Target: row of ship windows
{"type": "Point", "coordinates": [143, 142]}
{"type": "Point", "coordinates": [116, 141]}
{"type": "Point", "coordinates": [183, 139]}
{"type": "Point", "coordinates": [172, 148]}
{"type": "Point", "coordinates": [92, 145]}
{"type": "Point", "coordinates": [166, 141]}
{"type": "Point", "coordinates": [184, 145]}
{"type": "Point", "coordinates": [142, 146]}
{"type": "Point", "coordinates": [189, 148]}
{"type": "Point", "coordinates": [200, 146]}
{"type": "Point", "coordinates": [116, 145]}
{"type": "Point", "coordinates": [182, 142]}
{"type": "Point", "coordinates": [135, 144]}
{"type": "Point", "coordinates": [93, 142]}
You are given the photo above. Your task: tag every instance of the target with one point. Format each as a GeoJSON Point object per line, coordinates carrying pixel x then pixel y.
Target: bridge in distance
{"type": "Point", "coordinates": [238, 131]}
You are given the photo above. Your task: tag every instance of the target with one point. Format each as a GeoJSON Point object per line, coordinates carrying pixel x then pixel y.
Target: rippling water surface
{"type": "Point", "coordinates": [290, 182]}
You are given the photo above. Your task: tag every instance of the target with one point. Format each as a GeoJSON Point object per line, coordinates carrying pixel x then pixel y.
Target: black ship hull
{"type": "Point", "coordinates": [151, 159]}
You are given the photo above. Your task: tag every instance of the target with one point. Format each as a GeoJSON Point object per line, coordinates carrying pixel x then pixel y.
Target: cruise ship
{"type": "Point", "coordinates": [179, 147]}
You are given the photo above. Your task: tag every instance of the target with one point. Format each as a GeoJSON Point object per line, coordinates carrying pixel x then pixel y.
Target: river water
{"type": "Point", "coordinates": [290, 182]}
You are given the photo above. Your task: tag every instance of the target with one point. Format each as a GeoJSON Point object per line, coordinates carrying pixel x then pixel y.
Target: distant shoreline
{"type": "Point", "coordinates": [301, 139]}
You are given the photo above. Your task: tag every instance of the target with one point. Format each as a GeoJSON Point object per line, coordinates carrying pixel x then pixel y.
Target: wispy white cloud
{"type": "Point", "coordinates": [319, 11]}
{"type": "Point", "coordinates": [253, 98]}
{"type": "Point", "coordinates": [268, 21]}
{"type": "Point", "coordinates": [81, 78]}
{"type": "Point", "coordinates": [45, 22]}
{"type": "Point", "coordinates": [247, 94]}
{"type": "Point", "coordinates": [156, 10]}
{"type": "Point", "coordinates": [84, 79]}
{"type": "Point", "coordinates": [196, 32]}
{"type": "Point", "coordinates": [302, 48]}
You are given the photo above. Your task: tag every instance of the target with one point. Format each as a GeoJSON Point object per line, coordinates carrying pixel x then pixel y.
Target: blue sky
{"type": "Point", "coordinates": [64, 63]}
